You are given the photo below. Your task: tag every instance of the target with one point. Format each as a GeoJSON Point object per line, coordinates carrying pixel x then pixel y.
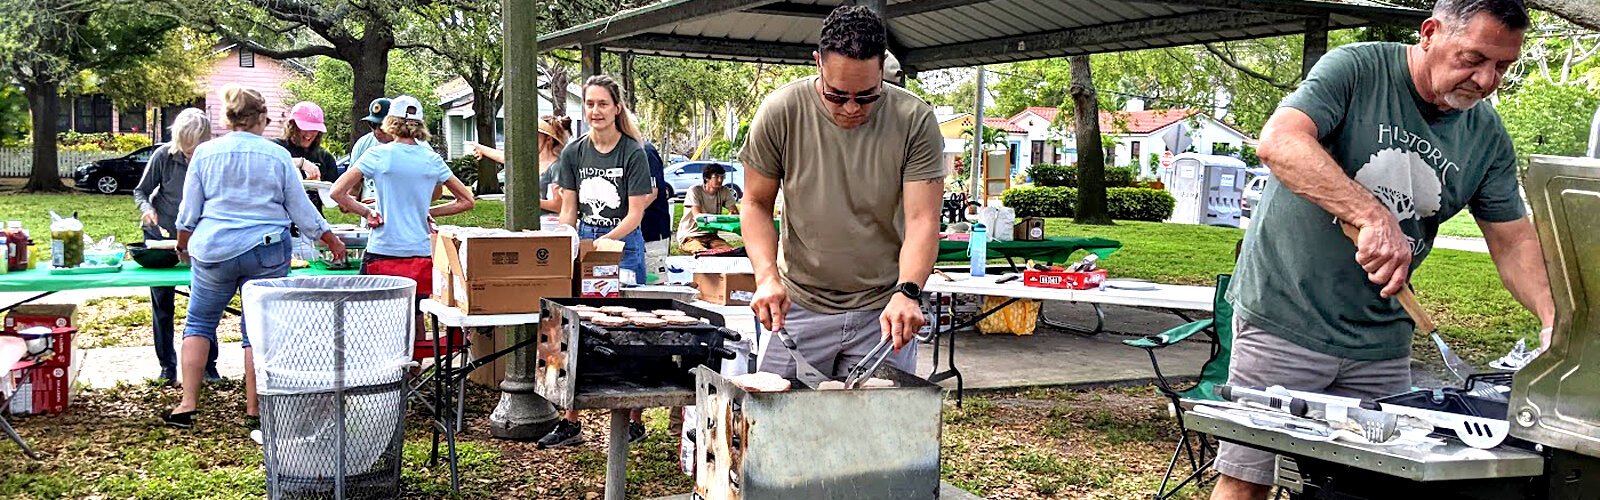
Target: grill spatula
{"type": "Point", "coordinates": [1408, 300]}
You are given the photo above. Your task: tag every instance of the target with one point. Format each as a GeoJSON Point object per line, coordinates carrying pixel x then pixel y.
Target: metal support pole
{"type": "Point", "coordinates": [522, 414]}
{"type": "Point", "coordinates": [617, 456]}
{"type": "Point", "coordinates": [589, 59]}
{"type": "Point", "coordinates": [975, 170]}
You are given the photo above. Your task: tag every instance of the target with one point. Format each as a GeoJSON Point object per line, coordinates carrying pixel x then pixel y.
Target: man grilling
{"type": "Point", "coordinates": [859, 162]}
{"type": "Point", "coordinates": [1391, 139]}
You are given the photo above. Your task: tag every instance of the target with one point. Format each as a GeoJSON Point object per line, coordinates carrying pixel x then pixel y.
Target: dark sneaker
{"type": "Point", "coordinates": [212, 376]}
{"type": "Point", "coordinates": [636, 432]}
{"type": "Point", "coordinates": [566, 433]}
{"type": "Point", "coordinates": [183, 420]}
{"type": "Point", "coordinates": [170, 377]}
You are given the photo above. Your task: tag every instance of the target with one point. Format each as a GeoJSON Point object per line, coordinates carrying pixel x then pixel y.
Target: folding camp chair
{"type": "Point", "coordinates": [12, 350]}
{"type": "Point", "coordinates": [1197, 448]}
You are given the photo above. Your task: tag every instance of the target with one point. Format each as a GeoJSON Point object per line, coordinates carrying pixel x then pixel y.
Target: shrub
{"type": "Point", "coordinates": [1121, 177]}
{"type": "Point", "coordinates": [1123, 203]}
{"type": "Point", "coordinates": [1041, 201]}
{"type": "Point", "coordinates": [1127, 203]}
{"type": "Point", "coordinates": [131, 142]}
{"type": "Point", "coordinates": [1050, 175]}
{"type": "Point", "coordinates": [466, 168]}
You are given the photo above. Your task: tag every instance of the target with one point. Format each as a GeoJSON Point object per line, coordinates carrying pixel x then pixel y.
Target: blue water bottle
{"type": "Point", "coordinates": [978, 249]}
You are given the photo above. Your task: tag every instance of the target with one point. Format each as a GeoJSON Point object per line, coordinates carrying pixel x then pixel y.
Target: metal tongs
{"type": "Point", "coordinates": [868, 365]}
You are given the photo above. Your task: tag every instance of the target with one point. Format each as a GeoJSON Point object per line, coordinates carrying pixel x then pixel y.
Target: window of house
{"type": "Point", "coordinates": [92, 114]}
{"type": "Point", "coordinates": [131, 120]}
{"type": "Point", "coordinates": [1221, 148]}
{"type": "Point", "coordinates": [247, 58]}
{"type": "Point", "coordinates": [1134, 148]}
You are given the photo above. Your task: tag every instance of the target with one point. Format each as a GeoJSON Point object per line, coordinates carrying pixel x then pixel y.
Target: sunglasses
{"type": "Point", "coordinates": [841, 99]}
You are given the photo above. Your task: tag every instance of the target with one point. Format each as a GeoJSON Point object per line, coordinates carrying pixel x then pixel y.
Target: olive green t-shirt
{"type": "Point", "coordinates": [1297, 276]}
{"type": "Point", "coordinates": [839, 246]}
{"type": "Point", "coordinates": [603, 181]}
{"type": "Point", "coordinates": [708, 203]}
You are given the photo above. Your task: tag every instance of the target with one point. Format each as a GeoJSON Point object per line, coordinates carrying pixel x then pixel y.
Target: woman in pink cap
{"type": "Point", "coordinates": [303, 138]}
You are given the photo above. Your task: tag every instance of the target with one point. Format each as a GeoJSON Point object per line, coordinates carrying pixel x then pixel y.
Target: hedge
{"type": "Point", "coordinates": [1049, 175]}
{"type": "Point", "coordinates": [1123, 203]}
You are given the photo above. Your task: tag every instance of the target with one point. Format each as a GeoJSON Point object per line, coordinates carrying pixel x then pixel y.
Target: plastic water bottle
{"type": "Point", "coordinates": [978, 249]}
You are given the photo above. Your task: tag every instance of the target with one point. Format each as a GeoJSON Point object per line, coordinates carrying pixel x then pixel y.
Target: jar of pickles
{"type": "Point", "coordinates": [66, 243]}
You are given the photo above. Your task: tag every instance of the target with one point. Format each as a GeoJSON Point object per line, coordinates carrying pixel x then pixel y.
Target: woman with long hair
{"type": "Point", "coordinates": [553, 133]}
{"type": "Point", "coordinates": [605, 188]}
{"type": "Point", "coordinates": [158, 195]}
{"type": "Point", "coordinates": [240, 195]}
{"type": "Point", "coordinates": [302, 136]}
{"type": "Point", "coordinates": [405, 171]}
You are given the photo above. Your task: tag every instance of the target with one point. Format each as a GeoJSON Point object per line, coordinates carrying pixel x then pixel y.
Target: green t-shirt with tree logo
{"type": "Point", "coordinates": [1297, 276]}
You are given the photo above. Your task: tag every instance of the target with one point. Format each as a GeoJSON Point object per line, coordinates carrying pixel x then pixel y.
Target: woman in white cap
{"type": "Point", "coordinates": [406, 172]}
{"type": "Point", "coordinates": [302, 136]}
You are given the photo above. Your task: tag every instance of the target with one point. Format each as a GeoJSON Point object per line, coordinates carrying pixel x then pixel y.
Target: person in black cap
{"type": "Point", "coordinates": [375, 113]}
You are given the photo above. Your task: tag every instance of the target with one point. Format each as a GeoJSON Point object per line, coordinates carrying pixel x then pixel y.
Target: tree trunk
{"type": "Point", "coordinates": [369, 64]}
{"type": "Point", "coordinates": [45, 101]}
{"type": "Point", "coordinates": [559, 79]}
{"type": "Point", "coordinates": [484, 108]}
{"type": "Point", "coordinates": [1091, 206]}
{"type": "Point", "coordinates": [1580, 12]}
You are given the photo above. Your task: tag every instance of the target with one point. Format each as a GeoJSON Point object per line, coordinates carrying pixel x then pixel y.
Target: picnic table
{"type": "Point", "coordinates": [39, 280]}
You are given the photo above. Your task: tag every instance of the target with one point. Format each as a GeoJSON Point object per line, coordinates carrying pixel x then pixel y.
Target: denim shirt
{"type": "Point", "coordinates": [240, 190]}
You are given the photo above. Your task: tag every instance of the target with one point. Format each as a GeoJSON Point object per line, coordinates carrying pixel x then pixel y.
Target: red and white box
{"type": "Point", "coordinates": [1064, 279]}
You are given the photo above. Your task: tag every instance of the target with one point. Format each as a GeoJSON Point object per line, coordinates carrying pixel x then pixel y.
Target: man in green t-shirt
{"type": "Point", "coordinates": [1393, 140]}
{"type": "Point", "coordinates": [860, 165]}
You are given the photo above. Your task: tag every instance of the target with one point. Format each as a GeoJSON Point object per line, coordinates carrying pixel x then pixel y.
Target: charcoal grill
{"type": "Point", "coordinates": [802, 443]}
{"type": "Point", "coordinates": [1554, 406]}
{"type": "Point", "coordinates": [581, 365]}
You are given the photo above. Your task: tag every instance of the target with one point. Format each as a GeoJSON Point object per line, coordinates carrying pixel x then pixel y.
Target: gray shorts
{"type": "Point", "coordinates": [831, 342]}
{"type": "Point", "coordinates": [1263, 359]}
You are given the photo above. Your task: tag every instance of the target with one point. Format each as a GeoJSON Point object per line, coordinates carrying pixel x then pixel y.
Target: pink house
{"type": "Point", "coordinates": [244, 66]}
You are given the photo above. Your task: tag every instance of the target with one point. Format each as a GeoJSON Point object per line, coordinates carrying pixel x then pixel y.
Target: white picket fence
{"type": "Point", "coordinates": [18, 162]}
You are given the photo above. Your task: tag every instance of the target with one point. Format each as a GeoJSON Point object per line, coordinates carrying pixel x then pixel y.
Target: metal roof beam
{"type": "Point", "coordinates": [1130, 31]}
{"type": "Point", "coordinates": [795, 53]}
{"type": "Point", "coordinates": [786, 9]}
{"type": "Point", "coordinates": [926, 6]}
{"type": "Point", "coordinates": [640, 20]}
{"type": "Point", "coordinates": [1303, 8]}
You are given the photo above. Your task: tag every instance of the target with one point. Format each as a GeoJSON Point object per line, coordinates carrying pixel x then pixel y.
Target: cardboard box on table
{"type": "Point", "coordinates": [729, 281]}
{"type": "Point", "coordinates": [599, 273]}
{"type": "Point", "coordinates": [501, 272]}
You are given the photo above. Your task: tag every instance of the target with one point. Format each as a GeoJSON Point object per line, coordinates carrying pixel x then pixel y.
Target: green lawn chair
{"type": "Point", "coordinates": [1197, 448]}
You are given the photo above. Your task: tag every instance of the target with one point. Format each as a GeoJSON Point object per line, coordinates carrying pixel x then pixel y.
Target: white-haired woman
{"type": "Point", "coordinates": [158, 195]}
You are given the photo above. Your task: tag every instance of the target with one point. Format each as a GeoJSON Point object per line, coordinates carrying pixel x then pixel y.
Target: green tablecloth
{"type": "Point", "coordinates": [725, 223]}
{"type": "Point", "coordinates": [132, 275]}
{"type": "Point", "coordinates": [1050, 250]}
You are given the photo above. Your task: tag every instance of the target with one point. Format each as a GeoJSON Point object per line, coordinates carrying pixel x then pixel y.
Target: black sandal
{"type": "Point", "coordinates": [183, 420]}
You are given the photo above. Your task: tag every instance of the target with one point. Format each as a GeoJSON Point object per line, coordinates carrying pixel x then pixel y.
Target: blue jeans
{"type": "Point", "coordinates": [212, 285]}
{"type": "Point", "coordinates": [162, 311]}
{"type": "Point", "coordinates": [632, 248]}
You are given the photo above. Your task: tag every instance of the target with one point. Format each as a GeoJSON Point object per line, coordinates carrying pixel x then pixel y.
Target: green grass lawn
{"type": "Point", "coordinates": [1462, 225]}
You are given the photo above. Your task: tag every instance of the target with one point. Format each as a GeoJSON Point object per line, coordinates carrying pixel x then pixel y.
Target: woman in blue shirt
{"type": "Point", "coordinates": [406, 172]}
{"type": "Point", "coordinates": [239, 196]}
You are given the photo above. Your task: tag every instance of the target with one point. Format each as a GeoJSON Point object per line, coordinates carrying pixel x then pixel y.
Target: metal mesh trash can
{"type": "Point", "coordinates": [330, 360]}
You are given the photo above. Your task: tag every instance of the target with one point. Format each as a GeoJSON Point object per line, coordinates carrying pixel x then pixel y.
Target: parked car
{"type": "Point", "coordinates": [113, 175]}
{"type": "Point", "coordinates": [1252, 193]}
{"type": "Point", "coordinates": [685, 175]}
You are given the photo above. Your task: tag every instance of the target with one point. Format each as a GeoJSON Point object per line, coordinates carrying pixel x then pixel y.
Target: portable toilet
{"type": "Point", "coordinates": [1207, 189]}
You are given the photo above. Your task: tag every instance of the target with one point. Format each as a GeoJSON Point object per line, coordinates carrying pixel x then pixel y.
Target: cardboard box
{"type": "Point", "coordinates": [483, 345]}
{"type": "Point", "coordinates": [599, 272]}
{"type": "Point", "coordinates": [507, 296]}
{"type": "Point", "coordinates": [46, 315]}
{"type": "Point", "coordinates": [43, 389]}
{"type": "Point", "coordinates": [504, 254]}
{"type": "Point", "coordinates": [1063, 279]}
{"type": "Point", "coordinates": [1028, 229]}
{"type": "Point", "coordinates": [57, 349]}
{"type": "Point", "coordinates": [728, 289]}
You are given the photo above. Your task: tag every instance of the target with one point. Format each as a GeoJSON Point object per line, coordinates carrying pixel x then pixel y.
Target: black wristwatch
{"type": "Point", "coordinates": [910, 290]}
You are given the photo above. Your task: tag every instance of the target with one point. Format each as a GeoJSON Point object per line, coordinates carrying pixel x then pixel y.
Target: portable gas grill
{"type": "Point", "coordinates": [1554, 407]}
{"type": "Point", "coordinates": [581, 365]}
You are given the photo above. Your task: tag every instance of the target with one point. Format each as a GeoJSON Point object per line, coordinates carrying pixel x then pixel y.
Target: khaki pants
{"type": "Point", "coordinates": [697, 244]}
